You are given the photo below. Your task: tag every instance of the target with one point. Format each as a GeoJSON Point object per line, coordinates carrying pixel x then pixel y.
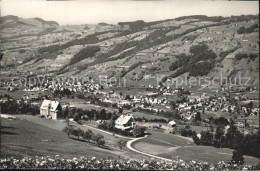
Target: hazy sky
{"type": "Point", "coordinates": [113, 11]}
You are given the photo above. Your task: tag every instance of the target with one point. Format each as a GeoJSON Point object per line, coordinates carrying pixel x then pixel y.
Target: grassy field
{"type": "Point", "coordinates": [41, 128]}
{"type": "Point", "coordinates": [169, 138]}
{"type": "Point", "coordinates": [59, 125]}
{"type": "Point", "coordinates": [147, 116]}
{"type": "Point", "coordinates": [197, 129]}
{"type": "Point", "coordinates": [19, 94]}
{"type": "Point", "coordinates": [170, 146]}
{"type": "Point", "coordinates": [21, 138]}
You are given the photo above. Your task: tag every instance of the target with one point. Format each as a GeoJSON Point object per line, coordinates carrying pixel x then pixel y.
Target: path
{"type": "Point", "coordinates": [129, 143]}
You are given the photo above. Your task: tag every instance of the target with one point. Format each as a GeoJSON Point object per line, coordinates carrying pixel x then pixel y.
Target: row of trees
{"type": "Point", "coordinates": [159, 36]}
{"type": "Point", "coordinates": [155, 38]}
{"type": "Point", "coordinates": [151, 120]}
{"type": "Point", "coordinates": [218, 121]}
{"type": "Point", "coordinates": [250, 29]}
{"type": "Point", "coordinates": [62, 93]}
{"type": "Point", "coordinates": [201, 61]}
{"type": "Point", "coordinates": [223, 54]}
{"type": "Point", "coordinates": [90, 39]}
{"type": "Point", "coordinates": [87, 52]}
{"type": "Point", "coordinates": [251, 56]}
{"type": "Point", "coordinates": [12, 107]}
{"type": "Point", "coordinates": [182, 60]}
{"type": "Point", "coordinates": [83, 114]}
{"type": "Point", "coordinates": [246, 144]}
{"type": "Point", "coordinates": [87, 135]}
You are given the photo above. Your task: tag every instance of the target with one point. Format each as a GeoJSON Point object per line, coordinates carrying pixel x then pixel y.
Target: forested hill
{"type": "Point", "coordinates": [190, 45]}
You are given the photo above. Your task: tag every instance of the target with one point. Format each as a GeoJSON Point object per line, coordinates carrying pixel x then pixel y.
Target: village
{"type": "Point", "coordinates": [163, 101]}
{"type": "Point", "coordinates": [173, 92]}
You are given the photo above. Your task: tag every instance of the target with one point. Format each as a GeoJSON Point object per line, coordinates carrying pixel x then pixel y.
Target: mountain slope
{"type": "Point", "coordinates": [139, 51]}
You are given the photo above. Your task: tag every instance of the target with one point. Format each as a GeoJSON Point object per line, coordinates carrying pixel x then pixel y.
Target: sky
{"type": "Point", "coordinates": [114, 11]}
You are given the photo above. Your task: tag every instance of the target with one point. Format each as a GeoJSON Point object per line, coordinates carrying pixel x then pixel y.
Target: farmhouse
{"type": "Point", "coordinates": [171, 123]}
{"type": "Point", "coordinates": [51, 109]}
{"type": "Point", "coordinates": [125, 122]}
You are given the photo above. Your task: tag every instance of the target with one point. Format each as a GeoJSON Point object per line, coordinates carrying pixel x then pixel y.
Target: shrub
{"type": "Point", "coordinates": [187, 132]}
{"type": "Point", "coordinates": [21, 51]}
{"type": "Point", "coordinates": [138, 131]}
{"type": "Point", "coordinates": [250, 29]}
{"type": "Point", "coordinates": [153, 69]}
{"type": "Point", "coordinates": [237, 157]}
{"type": "Point", "coordinates": [121, 144]}
{"type": "Point", "coordinates": [87, 135]}
{"type": "Point", "coordinates": [100, 142]}
{"type": "Point", "coordinates": [69, 130]}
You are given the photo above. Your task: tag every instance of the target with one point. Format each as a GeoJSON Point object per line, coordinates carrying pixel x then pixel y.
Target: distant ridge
{"type": "Point", "coordinates": [3, 19]}
{"type": "Point", "coordinates": [46, 22]}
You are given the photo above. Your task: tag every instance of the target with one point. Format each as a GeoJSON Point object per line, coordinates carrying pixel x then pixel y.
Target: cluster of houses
{"type": "Point", "coordinates": [79, 87]}
{"type": "Point", "coordinates": [155, 101]}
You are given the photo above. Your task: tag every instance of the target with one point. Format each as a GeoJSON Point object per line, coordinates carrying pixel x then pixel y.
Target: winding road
{"type": "Point", "coordinates": [129, 143]}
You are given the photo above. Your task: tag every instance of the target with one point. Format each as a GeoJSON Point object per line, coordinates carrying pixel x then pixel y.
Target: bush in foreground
{"type": "Point", "coordinates": [57, 162]}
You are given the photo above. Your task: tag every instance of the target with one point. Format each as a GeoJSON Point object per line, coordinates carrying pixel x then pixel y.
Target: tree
{"type": "Point", "coordinates": [87, 135]}
{"type": "Point", "coordinates": [127, 97]}
{"type": "Point", "coordinates": [78, 132]}
{"type": "Point", "coordinates": [68, 130]}
{"type": "Point", "coordinates": [230, 135]}
{"type": "Point", "coordinates": [110, 125]}
{"type": "Point", "coordinates": [251, 145]}
{"type": "Point", "coordinates": [173, 104]}
{"type": "Point", "coordinates": [221, 121]}
{"type": "Point", "coordinates": [102, 112]}
{"type": "Point", "coordinates": [238, 140]}
{"type": "Point", "coordinates": [120, 110]}
{"type": "Point", "coordinates": [76, 117]}
{"type": "Point", "coordinates": [98, 139]}
{"type": "Point", "coordinates": [1, 55]}
{"type": "Point", "coordinates": [196, 139]}
{"type": "Point", "coordinates": [237, 157]}
{"type": "Point", "coordinates": [121, 144]}
{"type": "Point", "coordinates": [100, 142]}
{"type": "Point", "coordinates": [218, 136]}
{"type": "Point", "coordinates": [66, 112]}
{"type": "Point", "coordinates": [206, 138]}
{"type": "Point", "coordinates": [197, 117]}
{"type": "Point", "coordinates": [138, 131]}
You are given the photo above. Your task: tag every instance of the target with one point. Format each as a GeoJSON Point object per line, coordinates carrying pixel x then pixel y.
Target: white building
{"type": "Point", "coordinates": [172, 123]}
{"type": "Point", "coordinates": [51, 109]}
{"type": "Point", "coordinates": [125, 122]}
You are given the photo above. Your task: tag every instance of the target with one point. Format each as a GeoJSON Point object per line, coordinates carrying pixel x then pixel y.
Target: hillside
{"type": "Point", "coordinates": [190, 45]}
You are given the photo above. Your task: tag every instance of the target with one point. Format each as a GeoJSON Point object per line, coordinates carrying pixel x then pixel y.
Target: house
{"type": "Point", "coordinates": [171, 123]}
{"type": "Point", "coordinates": [125, 122]}
{"type": "Point", "coordinates": [51, 109]}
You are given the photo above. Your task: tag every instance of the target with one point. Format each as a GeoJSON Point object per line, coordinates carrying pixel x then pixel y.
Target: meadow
{"type": "Point", "coordinates": [175, 147]}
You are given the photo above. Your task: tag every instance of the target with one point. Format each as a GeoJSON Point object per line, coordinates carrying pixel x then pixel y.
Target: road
{"type": "Point", "coordinates": [129, 146]}
{"type": "Point", "coordinates": [129, 143]}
